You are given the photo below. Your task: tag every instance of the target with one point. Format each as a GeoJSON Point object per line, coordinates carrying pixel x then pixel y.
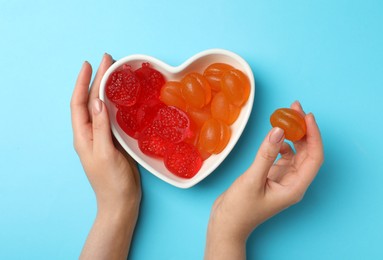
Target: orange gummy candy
{"type": "Point", "coordinates": [236, 86]}
{"type": "Point", "coordinates": [214, 74]}
{"type": "Point", "coordinates": [171, 95]}
{"type": "Point", "coordinates": [199, 116]}
{"type": "Point", "coordinates": [196, 90]}
{"type": "Point", "coordinates": [212, 102]}
{"type": "Point", "coordinates": [222, 109]}
{"type": "Point", "coordinates": [291, 121]}
{"type": "Point", "coordinates": [214, 136]}
{"type": "Point", "coordinates": [194, 141]}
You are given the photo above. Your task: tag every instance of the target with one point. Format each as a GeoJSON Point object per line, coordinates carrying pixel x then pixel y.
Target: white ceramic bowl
{"type": "Point", "coordinates": [196, 63]}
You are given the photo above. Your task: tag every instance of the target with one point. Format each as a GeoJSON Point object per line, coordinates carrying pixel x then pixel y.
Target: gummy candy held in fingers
{"type": "Point", "coordinates": [291, 121]}
{"type": "Point", "coordinates": [123, 87]}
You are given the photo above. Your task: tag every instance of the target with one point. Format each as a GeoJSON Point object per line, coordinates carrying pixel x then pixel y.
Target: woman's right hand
{"type": "Point", "coordinates": [265, 189]}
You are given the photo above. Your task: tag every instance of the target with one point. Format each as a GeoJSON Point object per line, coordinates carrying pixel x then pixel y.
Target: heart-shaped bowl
{"type": "Point", "coordinates": [197, 63]}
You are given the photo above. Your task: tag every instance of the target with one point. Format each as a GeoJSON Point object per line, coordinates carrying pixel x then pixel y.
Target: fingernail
{"type": "Point", "coordinates": [104, 57]}
{"type": "Point", "coordinates": [276, 135]}
{"type": "Point", "coordinates": [299, 104]}
{"type": "Point", "coordinates": [310, 115]}
{"type": "Point", "coordinates": [97, 106]}
{"type": "Point", "coordinates": [107, 54]}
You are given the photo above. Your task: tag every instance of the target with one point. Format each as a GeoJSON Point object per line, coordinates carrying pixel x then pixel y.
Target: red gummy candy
{"type": "Point", "coordinates": [183, 160]}
{"type": "Point", "coordinates": [127, 119]}
{"type": "Point", "coordinates": [135, 118]}
{"type": "Point", "coordinates": [172, 124]}
{"type": "Point", "coordinates": [151, 143]}
{"type": "Point", "coordinates": [147, 112]}
{"type": "Point", "coordinates": [151, 82]}
{"type": "Point", "coordinates": [123, 87]}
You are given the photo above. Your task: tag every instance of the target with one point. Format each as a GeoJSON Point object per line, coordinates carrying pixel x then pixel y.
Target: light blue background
{"type": "Point", "coordinates": [327, 54]}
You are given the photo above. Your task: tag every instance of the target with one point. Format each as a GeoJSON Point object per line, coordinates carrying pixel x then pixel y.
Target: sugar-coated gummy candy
{"type": "Point", "coordinates": [151, 82]}
{"type": "Point", "coordinates": [196, 90]}
{"type": "Point", "coordinates": [214, 72]}
{"type": "Point", "coordinates": [172, 124]}
{"type": "Point", "coordinates": [291, 121]}
{"type": "Point", "coordinates": [236, 86]}
{"type": "Point", "coordinates": [183, 160]}
{"type": "Point", "coordinates": [123, 87]}
{"type": "Point", "coordinates": [148, 111]}
{"type": "Point", "coordinates": [127, 119]}
{"type": "Point", "coordinates": [150, 143]}
{"type": "Point", "coordinates": [134, 118]}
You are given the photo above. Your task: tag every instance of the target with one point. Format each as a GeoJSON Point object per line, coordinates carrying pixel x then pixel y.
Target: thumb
{"type": "Point", "coordinates": [266, 156]}
{"type": "Point", "coordinates": [102, 136]}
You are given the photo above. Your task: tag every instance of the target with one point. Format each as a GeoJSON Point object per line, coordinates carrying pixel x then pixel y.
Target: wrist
{"type": "Point", "coordinates": [229, 225]}
{"type": "Point", "coordinates": [108, 201]}
{"type": "Point", "coordinates": [118, 208]}
{"type": "Point", "coordinates": [224, 231]}
{"type": "Point", "coordinates": [122, 218]}
{"type": "Point", "coordinates": [112, 231]}
{"type": "Point", "coordinates": [221, 243]}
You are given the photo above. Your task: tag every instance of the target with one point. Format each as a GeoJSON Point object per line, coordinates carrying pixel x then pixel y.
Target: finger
{"type": "Point", "coordinates": [102, 136]}
{"type": "Point", "coordinates": [132, 162]}
{"type": "Point", "coordinates": [296, 105]}
{"type": "Point", "coordinates": [266, 156]}
{"type": "Point", "coordinates": [279, 169]}
{"type": "Point", "coordinates": [314, 139]}
{"type": "Point", "coordinates": [300, 144]}
{"type": "Point", "coordinates": [79, 109]}
{"type": "Point", "coordinates": [286, 151]}
{"type": "Point", "coordinates": [123, 152]}
{"type": "Point", "coordinates": [315, 153]}
{"type": "Point", "coordinates": [106, 61]}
